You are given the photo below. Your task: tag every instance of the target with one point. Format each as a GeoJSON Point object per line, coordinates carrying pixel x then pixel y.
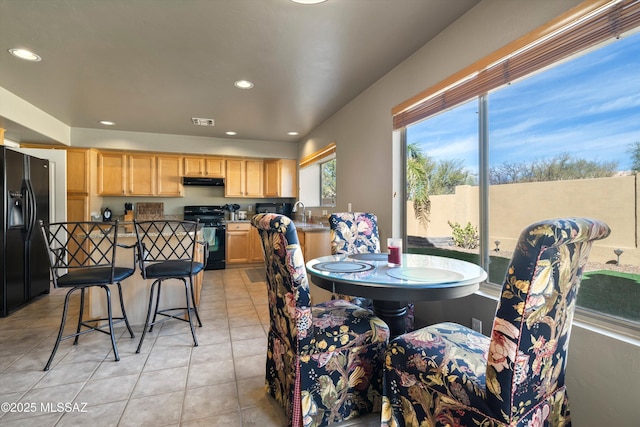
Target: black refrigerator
{"type": "Point", "coordinates": [24, 267]}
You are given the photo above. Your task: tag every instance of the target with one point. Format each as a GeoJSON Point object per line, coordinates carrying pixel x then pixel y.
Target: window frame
{"type": "Point", "coordinates": [313, 160]}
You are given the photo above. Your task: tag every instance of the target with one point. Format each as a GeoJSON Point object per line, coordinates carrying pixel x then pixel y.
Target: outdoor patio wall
{"type": "Point", "coordinates": [513, 206]}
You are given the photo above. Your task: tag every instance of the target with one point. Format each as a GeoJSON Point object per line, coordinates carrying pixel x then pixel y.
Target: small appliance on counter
{"type": "Point", "coordinates": [279, 208]}
{"type": "Point", "coordinates": [106, 215]}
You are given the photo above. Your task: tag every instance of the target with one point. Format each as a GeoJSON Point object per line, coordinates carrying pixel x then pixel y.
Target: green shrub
{"type": "Point", "coordinates": [466, 237]}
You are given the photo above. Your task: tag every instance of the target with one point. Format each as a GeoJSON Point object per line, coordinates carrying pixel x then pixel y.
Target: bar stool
{"type": "Point", "coordinates": [83, 255]}
{"type": "Point", "coordinates": [167, 250]}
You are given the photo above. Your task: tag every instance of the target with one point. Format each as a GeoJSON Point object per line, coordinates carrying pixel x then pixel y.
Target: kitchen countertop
{"type": "Point", "coordinates": [309, 227]}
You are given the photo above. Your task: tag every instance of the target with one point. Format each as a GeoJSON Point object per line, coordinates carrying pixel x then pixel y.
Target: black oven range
{"type": "Point", "coordinates": [214, 232]}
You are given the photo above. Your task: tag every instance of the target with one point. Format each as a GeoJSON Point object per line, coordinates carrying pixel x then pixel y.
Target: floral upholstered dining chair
{"type": "Point", "coordinates": [354, 232]}
{"type": "Point", "coordinates": [357, 233]}
{"type": "Point", "coordinates": [324, 362]}
{"type": "Point", "coordinates": [450, 375]}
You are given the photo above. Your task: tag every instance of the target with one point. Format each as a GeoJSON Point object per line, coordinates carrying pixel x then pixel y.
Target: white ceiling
{"type": "Point", "coordinates": [152, 65]}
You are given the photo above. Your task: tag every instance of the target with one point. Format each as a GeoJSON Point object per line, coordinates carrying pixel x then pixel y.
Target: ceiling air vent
{"type": "Point", "coordinates": [202, 122]}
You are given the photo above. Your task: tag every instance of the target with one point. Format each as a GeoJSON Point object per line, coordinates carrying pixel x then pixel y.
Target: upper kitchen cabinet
{"type": "Point", "coordinates": [112, 168]}
{"type": "Point", "coordinates": [213, 167]}
{"type": "Point", "coordinates": [280, 178]}
{"type": "Point", "coordinates": [80, 175]}
{"type": "Point", "coordinates": [142, 175]}
{"type": "Point", "coordinates": [244, 178]}
{"type": "Point", "coordinates": [139, 174]}
{"type": "Point", "coordinates": [170, 176]}
{"type": "Point", "coordinates": [78, 171]}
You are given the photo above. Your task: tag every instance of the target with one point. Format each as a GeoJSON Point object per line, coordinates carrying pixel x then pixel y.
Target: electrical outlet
{"type": "Point", "coordinates": [476, 324]}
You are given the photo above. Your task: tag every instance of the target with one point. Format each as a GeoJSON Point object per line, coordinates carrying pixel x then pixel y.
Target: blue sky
{"type": "Point", "coordinates": [588, 106]}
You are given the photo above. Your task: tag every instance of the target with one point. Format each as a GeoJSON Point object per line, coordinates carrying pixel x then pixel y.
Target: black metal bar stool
{"type": "Point", "coordinates": [83, 255]}
{"type": "Point", "coordinates": [167, 250]}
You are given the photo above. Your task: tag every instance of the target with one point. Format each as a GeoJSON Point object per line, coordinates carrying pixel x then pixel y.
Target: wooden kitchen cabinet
{"type": "Point", "coordinates": [212, 167]}
{"type": "Point", "coordinates": [257, 253]}
{"type": "Point", "coordinates": [78, 171]}
{"type": "Point", "coordinates": [280, 178]}
{"type": "Point", "coordinates": [112, 168]}
{"type": "Point", "coordinates": [193, 166]}
{"type": "Point", "coordinates": [315, 243]}
{"type": "Point", "coordinates": [139, 174]}
{"type": "Point", "coordinates": [142, 175]}
{"type": "Point", "coordinates": [77, 207]}
{"type": "Point", "coordinates": [169, 176]}
{"type": "Point", "coordinates": [244, 178]}
{"type": "Point", "coordinates": [238, 244]}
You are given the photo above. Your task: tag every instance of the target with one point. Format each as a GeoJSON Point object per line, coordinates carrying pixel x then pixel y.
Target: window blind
{"type": "Point", "coordinates": [591, 23]}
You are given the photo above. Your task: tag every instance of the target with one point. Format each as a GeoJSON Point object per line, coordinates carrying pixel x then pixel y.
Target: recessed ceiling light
{"type": "Point", "coordinates": [243, 84]}
{"type": "Point", "coordinates": [308, 1]}
{"type": "Point", "coordinates": [106, 122]}
{"type": "Point", "coordinates": [292, 133]}
{"type": "Point", "coordinates": [25, 54]}
{"type": "Point", "coordinates": [231, 133]}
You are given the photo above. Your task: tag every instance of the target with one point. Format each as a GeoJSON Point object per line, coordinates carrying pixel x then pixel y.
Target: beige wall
{"type": "Point", "coordinates": [513, 206]}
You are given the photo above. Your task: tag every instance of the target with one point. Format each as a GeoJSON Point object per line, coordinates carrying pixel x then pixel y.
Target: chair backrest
{"type": "Point", "coordinates": [354, 232]}
{"type": "Point", "coordinates": [287, 284]}
{"type": "Point", "coordinates": [530, 337]}
{"type": "Point", "coordinates": [165, 240]}
{"type": "Point", "coordinates": [75, 245]}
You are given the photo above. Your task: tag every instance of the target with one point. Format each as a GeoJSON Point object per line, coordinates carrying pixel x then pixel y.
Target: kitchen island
{"type": "Point", "coordinates": [135, 289]}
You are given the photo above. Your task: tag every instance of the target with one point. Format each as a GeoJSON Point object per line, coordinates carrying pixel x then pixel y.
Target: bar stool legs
{"type": "Point", "coordinates": [189, 299]}
{"type": "Point", "coordinates": [90, 328]}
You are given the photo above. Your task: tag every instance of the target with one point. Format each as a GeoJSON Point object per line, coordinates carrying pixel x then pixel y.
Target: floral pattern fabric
{"type": "Point", "coordinates": [449, 375]}
{"type": "Point", "coordinates": [354, 232]}
{"type": "Point", "coordinates": [324, 362]}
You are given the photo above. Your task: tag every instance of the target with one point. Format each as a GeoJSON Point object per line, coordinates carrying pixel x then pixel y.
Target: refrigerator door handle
{"type": "Point", "coordinates": [31, 210]}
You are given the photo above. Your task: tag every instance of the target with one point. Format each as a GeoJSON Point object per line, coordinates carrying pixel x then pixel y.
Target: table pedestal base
{"type": "Point", "coordinates": [394, 314]}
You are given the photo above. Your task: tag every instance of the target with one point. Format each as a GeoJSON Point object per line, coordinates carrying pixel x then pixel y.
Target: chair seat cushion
{"type": "Point", "coordinates": [447, 358]}
{"type": "Point", "coordinates": [93, 276]}
{"type": "Point", "coordinates": [172, 268]}
{"type": "Point", "coordinates": [338, 324]}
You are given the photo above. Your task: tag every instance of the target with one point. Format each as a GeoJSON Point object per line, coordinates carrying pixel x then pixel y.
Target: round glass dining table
{"type": "Point", "coordinates": [418, 278]}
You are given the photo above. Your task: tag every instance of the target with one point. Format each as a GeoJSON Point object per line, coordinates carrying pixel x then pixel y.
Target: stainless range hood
{"type": "Point", "coordinates": [208, 182]}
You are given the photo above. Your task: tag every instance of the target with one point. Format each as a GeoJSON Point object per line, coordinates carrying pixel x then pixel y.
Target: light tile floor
{"type": "Point", "coordinates": [170, 383]}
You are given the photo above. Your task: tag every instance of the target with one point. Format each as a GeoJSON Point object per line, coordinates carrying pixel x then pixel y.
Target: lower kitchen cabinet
{"type": "Point", "coordinates": [243, 243]}
{"type": "Point", "coordinates": [238, 245]}
{"type": "Point", "coordinates": [315, 242]}
{"type": "Point", "coordinates": [257, 253]}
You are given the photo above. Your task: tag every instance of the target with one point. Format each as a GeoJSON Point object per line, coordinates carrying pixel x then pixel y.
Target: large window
{"type": "Point", "coordinates": [561, 141]}
{"type": "Point", "coordinates": [318, 177]}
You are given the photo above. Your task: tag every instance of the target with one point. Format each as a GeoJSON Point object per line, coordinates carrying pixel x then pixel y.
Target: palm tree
{"type": "Point", "coordinates": [419, 169]}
